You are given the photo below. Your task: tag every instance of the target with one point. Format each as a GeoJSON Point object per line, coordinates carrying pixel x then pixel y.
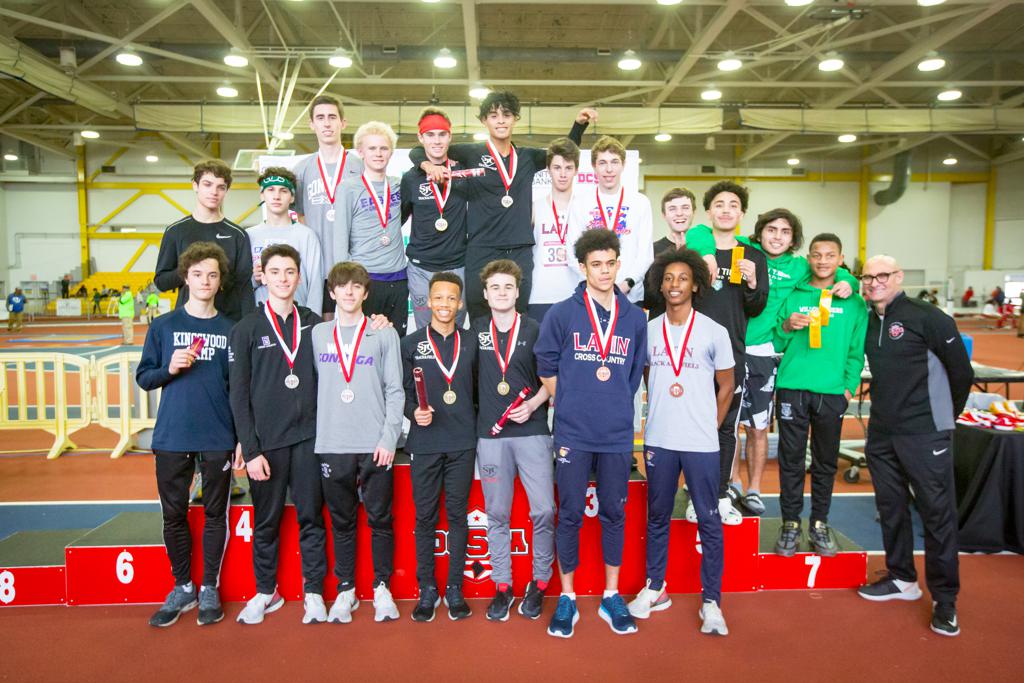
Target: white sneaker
{"type": "Point", "coordinates": [316, 611]}
{"type": "Point", "coordinates": [384, 607]}
{"type": "Point", "coordinates": [344, 605]}
{"type": "Point", "coordinates": [714, 622]}
{"type": "Point", "coordinates": [261, 604]}
{"type": "Point", "coordinates": [729, 514]}
{"type": "Point", "coordinates": [691, 514]}
{"type": "Point", "coordinates": [648, 601]}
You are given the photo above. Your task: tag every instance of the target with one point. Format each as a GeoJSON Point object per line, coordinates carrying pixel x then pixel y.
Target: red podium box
{"type": "Point", "coordinates": [32, 567]}
{"type": "Point", "coordinates": [684, 552]}
{"type": "Point", "coordinates": [808, 570]}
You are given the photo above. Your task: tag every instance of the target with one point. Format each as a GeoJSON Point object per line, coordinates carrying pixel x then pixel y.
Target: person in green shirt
{"type": "Point", "coordinates": [152, 306]}
{"type": "Point", "coordinates": [126, 312]}
{"type": "Point", "coordinates": [822, 342]}
{"type": "Point", "coordinates": [779, 234]}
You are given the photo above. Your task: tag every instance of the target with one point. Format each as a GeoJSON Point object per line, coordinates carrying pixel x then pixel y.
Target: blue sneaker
{"type": "Point", "coordinates": [616, 613]}
{"type": "Point", "coordinates": [565, 618]}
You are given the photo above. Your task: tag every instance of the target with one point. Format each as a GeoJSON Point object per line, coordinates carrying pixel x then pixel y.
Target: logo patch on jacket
{"type": "Point", "coordinates": [896, 330]}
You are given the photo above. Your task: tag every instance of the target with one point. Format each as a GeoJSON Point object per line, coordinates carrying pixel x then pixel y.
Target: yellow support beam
{"type": "Point", "coordinates": [111, 159]}
{"type": "Point", "coordinates": [862, 214]}
{"type": "Point", "coordinates": [118, 209]}
{"type": "Point", "coordinates": [248, 213]}
{"type": "Point", "coordinates": [173, 203]}
{"type": "Point", "coordinates": [154, 187]}
{"type": "Point", "coordinates": [83, 207]}
{"type": "Point", "coordinates": [148, 236]}
{"type": "Point", "coordinates": [135, 257]}
{"type": "Point", "coordinates": [839, 177]}
{"type": "Point", "coordinates": [990, 219]}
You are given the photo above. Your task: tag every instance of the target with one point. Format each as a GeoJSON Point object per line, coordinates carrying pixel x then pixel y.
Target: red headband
{"type": "Point", "coordinates": [434, 122]}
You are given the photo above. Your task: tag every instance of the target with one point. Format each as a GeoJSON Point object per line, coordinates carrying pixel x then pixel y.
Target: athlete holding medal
{"type": "Point", "coordinates": [690, 387]}
{"type": "Point", "coordinates": [359, 421]}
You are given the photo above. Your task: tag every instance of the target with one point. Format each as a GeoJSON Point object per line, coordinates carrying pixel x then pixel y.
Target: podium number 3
{"type": "Point", "coordinates": [125, 570]}
{"type": "Point", "coordinates": [814, 561]}
{"type": "Point", "coordinates": [592, 504]}
{"type": "Point", "coordinates": [6, 587]}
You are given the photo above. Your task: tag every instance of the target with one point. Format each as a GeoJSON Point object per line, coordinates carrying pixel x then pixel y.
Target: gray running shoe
{"type": "Point", "coordinates": [823, 542]}
{"type": "Point", "coordinates": [180, 599]}
{"type": "Point", "coordinates": [789, 539]}
{"type": "Point", "coordinates": [210, 610]}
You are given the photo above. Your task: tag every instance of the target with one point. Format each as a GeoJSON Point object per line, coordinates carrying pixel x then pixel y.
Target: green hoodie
{"type": "Point", "coordinates": [785, 272]}
{"type": "Point", "coordinates": [701, 240]}
{"type": "Point", "coordinates": [838, 363]}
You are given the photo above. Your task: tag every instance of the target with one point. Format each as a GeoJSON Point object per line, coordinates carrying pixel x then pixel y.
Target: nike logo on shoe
{"type": "Point", "coordinates": [940, 452]}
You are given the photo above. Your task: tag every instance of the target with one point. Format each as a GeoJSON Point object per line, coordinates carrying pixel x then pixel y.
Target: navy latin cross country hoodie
{"type": "Point", "coordinates": [592, 415]}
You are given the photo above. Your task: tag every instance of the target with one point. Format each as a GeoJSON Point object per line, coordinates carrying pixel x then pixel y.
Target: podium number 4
{"type": "Point", "coordinates": [125, 569]}
{"type": "Point", "coordinates": [6, 587]}
{"type": "Point", "coordinates": [814, 561]}
{"type": "Point", "coordinates": [244, 527]}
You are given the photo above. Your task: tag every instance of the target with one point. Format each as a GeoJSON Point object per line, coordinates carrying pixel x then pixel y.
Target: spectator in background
{"type": "Point", "coordinates": [152, 306]}
{"type": "Point", "coordinates": [997, 298]}
{"type": "Point", "coordinates": [126, 312]}
{"type": "Point", "coordinates": [96, 298]}
{"type": "Point", "coordinates": [65, 287]}
{"type": "Point", "coordinates": [965, 301]}
{"type": "Point", "coordinates": [16, 310]}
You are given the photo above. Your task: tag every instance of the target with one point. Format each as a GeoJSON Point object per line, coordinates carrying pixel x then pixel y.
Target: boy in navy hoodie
{"type": "Point", "coordinates": [592, 350]}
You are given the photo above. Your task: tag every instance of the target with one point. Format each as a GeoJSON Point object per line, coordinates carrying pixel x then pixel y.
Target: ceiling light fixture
{"type": "Point", "coordinates": [445, 59]}
{"type": "Point", "coordinates": [711, 94]}
{"type": "Point", "coordinates": [949, 161]}
{"type": "Point", "coordinates": [832, 62]}
{"type": "Point", "coordinates": [227, 90]}
{"type": "Point", "coordinates": [847, 137]}
{"type": "Point", "coordinates": [236, 59]}
{"type": "Point", "coordinates": [479, 91]}
{"type": "Point", "coordinates": [479, 137]}
{"type": "Point", "coordinates": [128, 58]}
{"type": "Point", "coordinates": [949, 95]}
{"type": "Point", "coordinates": [669, 2]}
{"type": "Point", "coordinates": [931, 62]}
{"type": "Point", "coordinates": [793, 161]}
{"type": "Point", "coordinates": [152, 158]}
{"type": "Point", "coordinates": [730, 63]}
{"type": "Point", "coordinates": [798, 3]}
{"type": "Point", "coordinates": [284, 135]}
{"type": "Point", "coordinates": [929, 3]}
{"type": "Point", "coordinates": [663, 137]}
{"type": "Point", "coordinates": [340, 60]}
{"type": "Point", "coordinates": [629, 61]}
{"type": "Point", "coordinates": [10, 156]}
{"type": "Point", "coordinates": [89, 134]}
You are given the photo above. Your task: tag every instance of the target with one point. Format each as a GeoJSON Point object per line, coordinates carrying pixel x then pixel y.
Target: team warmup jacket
{"type": "Point", "coordinates": [453, 427]}
{"type": "Point", "coordinates": [490, 224]}
{"type": "Point", "coordinates": [235, 299]}
{"type": "Point", "coordinates": [195, 412]}
{"type": "Point", "coordinates": [521, 372]}
{"type": "Point", "coordinates": [920, 372]}
{"type": "Point", "coordinates": [269, 415]}
{"type": "Point", "coordinates": [431, 249]}
{"type": "Point", "coordinates": [591, 415]}
{"type": "Point", "coordinates": [834, 367]}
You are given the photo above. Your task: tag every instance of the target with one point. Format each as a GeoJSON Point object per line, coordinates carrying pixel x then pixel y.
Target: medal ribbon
{"type": "Point", "coordinates": [506, 176]}
{"type": "Point", "coordinates": [350, 360]}
{"type": "Point", "coordinates": [506, 357]}
{"type": "Point", "coordinates": [560, 230]}
{"type": "Point", "coordinates": [825, 304]}
{"type": "Point", "coordinates": [442, 199]}
{"type": "Point", "coordinates": [289, 354]}
{"type": "Point", "coordinates": [604, 341]}
{"type": "Point", "coordinates": [677, 368]}
{"type": "Point", "coordinates": [383, 207]}
{"type": "Point", "coordinates": [618, 209]}
{"type": "Point", "coordinates": [339, 169]}
{"type": "Point", "coordinates": [448, 373]}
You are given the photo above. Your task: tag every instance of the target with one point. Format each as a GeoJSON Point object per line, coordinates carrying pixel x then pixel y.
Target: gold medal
{"type": "Point", "coordinates": [449, 397]}
{"type": "Point", "coordinates": [504, 388]}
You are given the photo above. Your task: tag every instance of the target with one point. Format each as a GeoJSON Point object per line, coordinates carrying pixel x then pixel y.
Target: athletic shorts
{"type": "Point", "coordinates": [758, 391]}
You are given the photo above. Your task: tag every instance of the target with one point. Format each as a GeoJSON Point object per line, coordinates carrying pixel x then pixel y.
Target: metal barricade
{"type": "Point", "coordinates": [134, 412]}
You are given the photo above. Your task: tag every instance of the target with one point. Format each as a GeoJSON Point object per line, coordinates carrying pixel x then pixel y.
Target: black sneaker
{"type": "Point", "coordinates": [457, 607]}
{"type": "Point", "coordinates": [823, 542]}
{"type": "Point", "coordinates": [210, 610]}
{"type": "Point", "coordinates": [428, 602]}
{"type": "Point", "coordinates": [789, 539]}
{"type": "Point", "coordinates": [180, 599]}
{"type": "Point", "coordinates": [944, 619]}
{"type": "Point", "coordinates": [886, 589]}
{"type": "Point", "coordinates": [500, 605]}
{"type": "Point", "coordinates": [533, 601]}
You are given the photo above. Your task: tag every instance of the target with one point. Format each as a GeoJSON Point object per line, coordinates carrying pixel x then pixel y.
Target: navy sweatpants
{"type": "Point", "coordinates": [702, 474]}
{"type": "Point", "coordinates": [572, 475]}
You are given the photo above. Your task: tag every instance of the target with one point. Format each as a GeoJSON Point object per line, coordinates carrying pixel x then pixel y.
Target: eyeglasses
{"type": "Point", "coordinates": [881, 278]}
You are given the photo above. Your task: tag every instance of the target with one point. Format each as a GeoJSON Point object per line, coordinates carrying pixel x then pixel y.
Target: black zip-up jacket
{"type": "Point", "coordinates": [920, 372]}
{"type": "Point", "coordinates": [267, 414]}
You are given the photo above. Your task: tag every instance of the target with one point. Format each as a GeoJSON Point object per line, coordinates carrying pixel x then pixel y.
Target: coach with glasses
{"type": "Point", "coordinates": [921, 376]}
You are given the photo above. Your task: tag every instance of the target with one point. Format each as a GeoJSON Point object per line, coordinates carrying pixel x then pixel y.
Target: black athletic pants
{"type": "Point", "coordinates": [174, 472]}
{"type": "Point", "coordinates": [297, 468]}
{"type": "Point", "coordinates": [924, 463]}
{"type": "Point", "coordinates": [477, 258]}
{"type": "Point", "coordinates": [430, 473]}
{"type": "Point", "coordinates": [799, 411]}
{"type": "Point", "coordinates": [345, 477]}
{"type": "Point", "coordinates": [727, 442]}
{"type": "Point", "coordinates": [391, 299]}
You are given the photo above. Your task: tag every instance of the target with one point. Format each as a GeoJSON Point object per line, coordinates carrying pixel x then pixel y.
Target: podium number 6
{"type": "Point", "coordinates": [125, 570]}
{"type": "Point", "coordinates": [814, 561]}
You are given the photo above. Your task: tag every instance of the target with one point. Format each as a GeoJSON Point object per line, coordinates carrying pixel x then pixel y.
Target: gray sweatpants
{"type": "Point", "coordinates": [419, 291]}
{"type": "Point", "coordinates": [498, 461]}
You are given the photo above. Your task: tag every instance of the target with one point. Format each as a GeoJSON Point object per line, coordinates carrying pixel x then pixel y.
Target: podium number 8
{"type": "Point", "coordinates": [125, 570]}
{"type": "Point", "coordinates": [814, 561]}
{"type": "Point", "coordinates": [6, 587]}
